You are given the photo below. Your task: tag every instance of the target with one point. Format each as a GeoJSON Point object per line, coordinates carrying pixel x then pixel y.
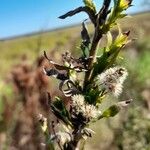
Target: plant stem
{"type": "Point", "coordinates": [101, 17]}
{"type": "Point", "coordinates": [75, 142]}
{"type": "Point", "coordinates": [92, 56]}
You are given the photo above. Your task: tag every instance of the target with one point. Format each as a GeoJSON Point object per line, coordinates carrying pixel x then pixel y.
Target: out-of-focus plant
{"type": "Point", "coordinates": [136, 131]}
{"type": "Point", "coordinates": [6, 91]}
{"type": "Point", "coordinates": [136, 123]}
{"type": "Point", "coordinates": [87, 80]}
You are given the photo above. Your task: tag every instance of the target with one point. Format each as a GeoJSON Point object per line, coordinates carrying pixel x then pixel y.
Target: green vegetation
{"type": "Point", "coordinates": [135, 58]}
{"type": "Point", "coordinates": [33, 46]}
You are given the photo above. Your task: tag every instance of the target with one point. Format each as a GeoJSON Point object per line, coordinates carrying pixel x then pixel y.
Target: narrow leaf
{"type": "Point", "coordinates": [85, 41]}
{"type": "Point", "coordinates": [86, 9]}
{"type": "Point", "coordinates": [56, 65]}
{"type": "Point", "coordinates": [63, 67]}
{"type": "Point", "coordinates": [60, 116]}
{"type": "Point", "coordinates": [72, 12]}
{"type": "Point", "coordinates": [85, 35]}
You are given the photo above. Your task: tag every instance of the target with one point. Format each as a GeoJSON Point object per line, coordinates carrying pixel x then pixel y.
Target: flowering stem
{"type": "Point", "coordinates": [100, 78]}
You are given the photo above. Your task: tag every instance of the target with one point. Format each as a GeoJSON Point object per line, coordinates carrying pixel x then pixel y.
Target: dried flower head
{"type": "Point", "coordinates": [87, 110]}
{"type": "Point", "coordinates": [111, 80]}
{"type": "Point", "coordinates": [61, 137]}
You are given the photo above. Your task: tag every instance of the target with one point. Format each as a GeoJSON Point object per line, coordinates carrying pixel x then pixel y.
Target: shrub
{"type": "Point", "coordinates": [86, 81]}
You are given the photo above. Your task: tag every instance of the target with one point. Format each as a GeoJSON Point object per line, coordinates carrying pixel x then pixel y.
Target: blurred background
{"type": "Point", "coordinates": [27, 28]}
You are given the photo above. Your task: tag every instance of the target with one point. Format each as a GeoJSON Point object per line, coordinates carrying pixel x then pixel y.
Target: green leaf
{"type": "Point", "coordinates": [85, 50]}
{"type": "Point", "coordinates": [72, 75]}
{"type": "Point", "coordinates": [58, 103]}
{"type": "Point", "coordinates": [124, 4]}
{"type": "Point", "coordinates": [110, 53]}
{"type": "Point", "coordinates": [114, 109]}
{"type": "Point", "coordinates": [122, 15]}
{"type": "Point", "coordinates": [110, 112]}
{"type": "Point", "coordinates": [85, 40]}
{"type": "Point", "coordinates": [121, 39]}
{"type": "Point", "coordinates": [117, 11]}
{"type": "Point", "coordinates": [60, 111]}
{"type": "Point", "coordinates": [60, 116]}
{"type": "Point", "coordinates": [92, 95]}
{"type": "Point", "coordinates": [90, 4]}
{"type": "Point", "coordinates": [101, 63]}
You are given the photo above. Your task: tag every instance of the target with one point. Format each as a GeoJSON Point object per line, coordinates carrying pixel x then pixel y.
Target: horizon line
{"type": "Point", "coordinates": [33, 33]}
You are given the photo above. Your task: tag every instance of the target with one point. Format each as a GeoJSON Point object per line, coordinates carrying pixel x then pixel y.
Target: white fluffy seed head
{"type": "Point", "coordinates": [87, 110]}
{"type": "Point", "coordinates": [111, 80]}
{"type": "Point", "coordinates": [78, 99]}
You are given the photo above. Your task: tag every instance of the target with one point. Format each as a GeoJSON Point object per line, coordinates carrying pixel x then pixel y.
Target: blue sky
{"type": "Point", "coordinates": [24, 16]}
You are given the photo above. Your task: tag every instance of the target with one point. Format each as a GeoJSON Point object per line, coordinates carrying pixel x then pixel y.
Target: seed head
{"type": "Point", "coordinates": [87, 110]}
{"type": "Point", "coordinates": [111, 80]}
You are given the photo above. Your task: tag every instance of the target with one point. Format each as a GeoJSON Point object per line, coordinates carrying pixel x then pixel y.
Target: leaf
{"type": "Point", "coordinates": [110, 53]}
{"type": "Point", "coordinates": [58, 114]}
{"type": "Point", "coordinates": [117, 11]}
{"type": "Point", "coordinates": [72, 12]}
{"type": "Point", "coordinates": [58, 103]}
{"type": "Point", "coordinates": [85, 40]}
{"type": "Point", "coordinates": [60, 111]}
{"type": "Point", "coordinates": [86, 9]}
{"type": "Point", "coordinates": [90, 4]}
{"type": "Point", "coordinates": [122, 16]}
{"type": "Point", "coordinates": [63, 67]}
{"type": "Point", "coordinates": [56, 65]}
{"type": "Point", "coordinates": [56, 74]}
{"type": "Point", "coordinates": [124, 4]}
{"type": "Point", "coordinates": [114, 109]}
{"type": "Point", "coordinates": [122, 39]}
{"type": "Point", "coordinates": [101, 64]}
{"type": "Point", "coordinates": [92, 95]}
{"type": "Point", "coordinates": [102, 14]}
{"type": "Point", "coordinates": [85, 35]}
{"type": "Point", "coordinates": [110, 112]}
